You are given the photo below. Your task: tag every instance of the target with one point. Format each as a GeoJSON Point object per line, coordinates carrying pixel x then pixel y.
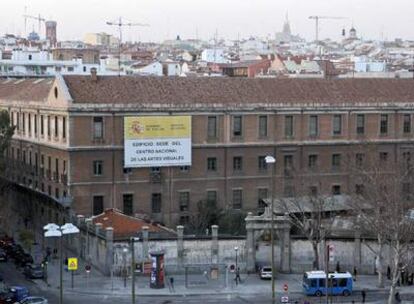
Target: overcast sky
{"type": "Point", "coordinates": [167, 18]}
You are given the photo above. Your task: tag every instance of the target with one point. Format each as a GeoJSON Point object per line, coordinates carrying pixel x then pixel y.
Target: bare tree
{"type": "Point", "coordinates": [383, 205]}
{"type": "Point", "coordinates": [312, 215]}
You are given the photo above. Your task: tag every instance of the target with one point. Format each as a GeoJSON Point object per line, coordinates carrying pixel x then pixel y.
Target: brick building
{"type": "Point", "coordinates": [68, 145]}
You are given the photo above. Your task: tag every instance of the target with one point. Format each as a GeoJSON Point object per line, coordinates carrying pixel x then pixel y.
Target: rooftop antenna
{"type": "Point", "coordinates": [120, 24]}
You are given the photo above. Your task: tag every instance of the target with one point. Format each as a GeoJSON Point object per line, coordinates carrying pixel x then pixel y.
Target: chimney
{"type": "Point", "coordinates": [94, 77]}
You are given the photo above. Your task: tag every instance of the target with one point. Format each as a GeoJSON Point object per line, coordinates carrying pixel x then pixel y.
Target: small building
{"type": "Point", "coordinates": [245, 68]}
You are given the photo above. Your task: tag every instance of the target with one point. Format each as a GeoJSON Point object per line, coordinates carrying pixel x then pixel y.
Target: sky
{"type": "Point", "coordinates": [373, 19]}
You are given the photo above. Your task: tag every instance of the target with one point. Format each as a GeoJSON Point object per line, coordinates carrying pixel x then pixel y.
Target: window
{"type": "Point", "coordinates": [42, 129]}
{"type": "Point", "coordinates": [313, 126]}
{"type": "Point", "coordinates": [184, 220]}
{"type": "Point", "coordinates": [97, 167]}
{"type": "Point", "coordinates": [337, 124]}
{"type": "Point", "coordinates": [35, 124]}
{"type": "Point", "coordinates": [406, 190]}
{"type": "Point", "coordinates": [98, 204]}
{"type": "Point", "coordinates": [212, 127]}
{"type": "Point", "coordinates": [56, 126]}
{"type": "Point", "coordinates": [407, 123]}
{"type": "Point", "coordinates": [29, 123]}
{"type": "Point", "coordinates": [184, 200]}
{"type": "Point", "coordinates": [313, 190]}
{"type": "Point", "coordinates": [24, 123]}
{"type": "Point", "coordinates": [211, 164]}
{"type": "Point", "coordinates": [289, 126]}
{"type": "Point", "coordinates": [359, 159]}
{"type": "Point", "coordinates": [98, 127]}
{"type": "Point", "coordinates": [336, 161]}
{"type": "Point", "coordinates": [128, 204]}
{"type": "Point", "coordinates": [84, 68]}
{"type": "Point", "coordinates": [359, 189]}
{"type": "Point", "coordinates": [384, 124]}
{"type": "Point", "coordinates": [63, 127]}
{"type": "Point", "coordinates": [383, 156]}
{"type": "Point", "coordinates": [48, 126]}
{"type": "Point", "coordinates": [262, 126]}
{"type": "Point", "coordinates": [288, 190]}
{"type": "Point", "coordinates": [312, 161]}
{"type": "Point", "coordinates": [288, 162]}
{"type": "Point", "coordinates": [57, 192]}
{"type": "Point", "coordinates": [212, 198]}
{"type": "Point", "coordinates": [18, 121]}
{"type": "Point", "coordinates": [57, 167]}
{"type": "Point", "coordinates": [262, 163]}
{"type": "Point", "coordinates": [156, 202]}
{"type": "Point", "coordinates": [360, 124]}
{"type": "Point", "coordinates": [407, 158]}
{"type": "Point", "coordinates": [237, 163]}
{"type": "Point", "coordinates": [237, 126]}
{"type": "Point", "coordinates": [30, 57]}
{"type": "Point", "coordinates": [336, 190]}
{"type": "Point", "coordinates": [237, 198]}
{"type": "Point", "coordinates": [71, 69]}
{"type": "Point", "coordinates": [262, 194]}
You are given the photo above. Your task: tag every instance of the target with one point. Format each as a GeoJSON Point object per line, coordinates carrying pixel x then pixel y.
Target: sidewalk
{"type": "Point", "coordinates": [97, 284]}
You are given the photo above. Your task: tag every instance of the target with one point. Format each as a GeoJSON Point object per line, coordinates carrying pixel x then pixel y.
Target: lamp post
{"type": "Point", "coordinates": [125, 272]}
{"type": "Point", "coordinates": [236, 249]}
{"type": "Point", "coordinates": [271, 160]}
{"type": "Point", "coordinates": [133, 267]}
{"type": "Point", "coordinates": [53, 230]}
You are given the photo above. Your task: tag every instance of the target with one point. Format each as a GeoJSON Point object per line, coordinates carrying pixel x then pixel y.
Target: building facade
{"type": "Point", "coordinates": [68, 144]}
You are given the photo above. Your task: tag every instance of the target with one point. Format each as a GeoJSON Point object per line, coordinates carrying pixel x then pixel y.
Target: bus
{"type": "Point", "coordinates": [339, 283]}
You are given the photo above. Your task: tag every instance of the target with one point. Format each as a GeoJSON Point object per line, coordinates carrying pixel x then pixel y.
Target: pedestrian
{"type": "Point", "coordinates": [397, 297]}
{"type": "Point", "coordinates": [238, 276]}
{"type": "Point", "coordinates": [172, 284]}
{"type": "Point", "coordinates": [388, 272]}
{"type": "Point", "coordinates": [338, 267]}
{"type": "Point", "coordinates": [66, 264]}
{"type": "Point", "coordinates": [355, 273]}
{"type": "Point", "coordinates": [412, 278]}
{"type": "Point", "coordinates": [363, 294]}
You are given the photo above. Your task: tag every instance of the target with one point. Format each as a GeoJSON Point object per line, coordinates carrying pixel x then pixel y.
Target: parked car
{"type": "Point", "coordinates": [33, 271]}
{"type": "Point", "coordinates": [34, 300]}
{"type": "Point", "coordinates": [22, 259]}
{"type": "Point", "coordinates": [266, 272]}
{"type": "Point", "coordinates": [3, 256]}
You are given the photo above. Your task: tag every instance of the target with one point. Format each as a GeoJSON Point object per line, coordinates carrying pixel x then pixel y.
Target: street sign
{"type": "Point", "coordinates": [285, 287]}
{"type": "Point", "coordinates": [72, 264]}
{"type": "Point", "coordinates": [232, 268]}
{"type": "Point", "coordinates": [138, 267]}
{"type": "Point", "coordinates": [88, 268]}
{"type": "Point", "coordinates": [284, 299]}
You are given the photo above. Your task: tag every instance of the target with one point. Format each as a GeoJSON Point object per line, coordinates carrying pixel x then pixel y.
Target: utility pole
{"type": "Point", "coordinates": [316, 18]}
{"type": "Point", "coordinates": [120, 24]}
{"type": "Point", "coordinates": [133, 267]}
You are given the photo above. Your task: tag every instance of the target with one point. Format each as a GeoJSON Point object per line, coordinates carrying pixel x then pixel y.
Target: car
{"type": "Point", "coordinates": [33, 271]}
{"type": "Point", "coordinates": [14, 294]}
{"type": "Point", "coordinates": [22, 259]}
{"type": "Point", "coordinates": [3, 256]}
{"type": "Point", "coordinates": [266, 272]}
{"type": "Point", "coordinates": [34, 300]}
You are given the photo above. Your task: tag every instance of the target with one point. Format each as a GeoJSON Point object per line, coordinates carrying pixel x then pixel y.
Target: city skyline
{"type": "Point", "coordinates": [230, 19]}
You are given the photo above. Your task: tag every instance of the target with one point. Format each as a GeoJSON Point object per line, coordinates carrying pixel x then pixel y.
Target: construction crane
{"type": "Point", "coordinates": [38, 18]}
{"type": "Point", "coordinates": [316, 18]}
{"type": "Point", "coordinates": [120, 25]}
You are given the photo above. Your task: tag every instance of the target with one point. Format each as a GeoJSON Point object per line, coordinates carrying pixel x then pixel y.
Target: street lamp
{"type": "Point", "coordinates": [125, 271]}
{"type": "Point", "coordinates": [133, 268]}
{"type": "Point", "coordinates": [236, 249]}
{"type": "Point", "coordinates": [271, 160]}
{"type": "Point", "coordinates": [53, 230]}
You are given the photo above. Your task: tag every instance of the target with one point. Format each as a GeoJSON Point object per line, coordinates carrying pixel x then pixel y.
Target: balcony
{"type": "Point", "coordinates": [48, 175]}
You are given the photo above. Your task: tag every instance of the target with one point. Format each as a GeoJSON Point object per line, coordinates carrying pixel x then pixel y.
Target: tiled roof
{"type": "Point", "coordinates": [236, 91]}
{"type": "Point", "coordinates": [124, 225]}
{"type": "Point", "coordinates": [25, 89]}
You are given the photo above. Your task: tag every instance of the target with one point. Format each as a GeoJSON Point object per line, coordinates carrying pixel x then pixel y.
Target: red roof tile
{"type": "Point", "coordinates": [124, 225]}
{"type": "Point", "coordinates": [178, 91]}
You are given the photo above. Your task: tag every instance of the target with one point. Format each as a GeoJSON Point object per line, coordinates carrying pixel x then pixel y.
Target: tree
{"type": "Point", "coordinates": [383, 205]}
{"type": "Point", "coordinates": [312, 216]}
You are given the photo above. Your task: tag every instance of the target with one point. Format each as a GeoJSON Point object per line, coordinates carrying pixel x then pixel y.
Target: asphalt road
{"type": "Point", "coordinates": [14, 276]}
